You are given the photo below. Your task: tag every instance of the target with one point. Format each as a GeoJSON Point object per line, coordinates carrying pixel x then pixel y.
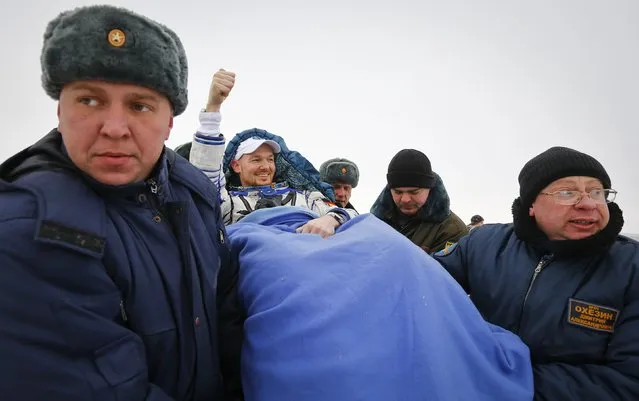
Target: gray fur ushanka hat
{"type": "Point", "coordinates": [116, 45]}
{"type": "Point", "coordinates": [339, 170]}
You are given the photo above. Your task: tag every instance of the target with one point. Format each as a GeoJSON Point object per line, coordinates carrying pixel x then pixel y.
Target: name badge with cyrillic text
{"type": "Point", "coordinates": [592, 316]}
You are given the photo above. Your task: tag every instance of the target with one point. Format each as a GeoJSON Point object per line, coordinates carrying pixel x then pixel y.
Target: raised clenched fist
{"type": "Point", "coordinates": [221, 86]}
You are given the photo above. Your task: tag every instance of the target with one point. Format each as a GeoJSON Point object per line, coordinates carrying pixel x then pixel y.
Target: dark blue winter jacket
{"type": "Point", "coordinates": [113, 293]}
{"type": "Point", "coordinates": [578, 314]}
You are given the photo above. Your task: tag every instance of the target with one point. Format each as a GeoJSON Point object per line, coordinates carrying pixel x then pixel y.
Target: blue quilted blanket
{"type": "Point", "coordinates": [363, 315]}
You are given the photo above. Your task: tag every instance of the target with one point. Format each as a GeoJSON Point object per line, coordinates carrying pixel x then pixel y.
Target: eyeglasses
{"type": "Point", "coordinates": [568, 198]}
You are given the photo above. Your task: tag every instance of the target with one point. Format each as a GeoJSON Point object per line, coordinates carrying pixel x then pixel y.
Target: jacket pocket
{"type": "Point", "coordinates": [122, 365]}
{"type": "Point", "coordinates": [111, 358]}
{"type": "Point", "coordinates": [155, 325]}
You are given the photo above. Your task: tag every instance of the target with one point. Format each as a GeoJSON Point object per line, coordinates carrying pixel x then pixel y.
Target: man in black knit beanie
{"type": "Point", "coordinates": [562, 278]}
{"type": "Point", "coordinates": [416, 204]}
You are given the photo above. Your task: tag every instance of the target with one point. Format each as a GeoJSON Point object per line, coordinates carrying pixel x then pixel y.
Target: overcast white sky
{"type": "Point", "coordinates": [479, 86]}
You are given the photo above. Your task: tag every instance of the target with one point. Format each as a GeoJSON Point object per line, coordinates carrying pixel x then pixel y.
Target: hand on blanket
{"type": "Point", "coordinates": [324, 226]}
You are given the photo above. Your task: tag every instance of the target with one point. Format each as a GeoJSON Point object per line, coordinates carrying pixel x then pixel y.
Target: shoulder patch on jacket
{"type": "Point", "coordinates": [329, 202]}
{"type": "Point", "coordinates": [592, 316]}
{"type": "Point", "coordinates": [448, 248]}
{"type": "Point", "coordinates": [56, 233]}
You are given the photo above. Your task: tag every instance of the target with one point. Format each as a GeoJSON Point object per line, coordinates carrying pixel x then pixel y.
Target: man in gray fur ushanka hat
{"type": "Point", "coordinates": [343, 175]}
{"type": "Point", "coordinates": [117, 281]}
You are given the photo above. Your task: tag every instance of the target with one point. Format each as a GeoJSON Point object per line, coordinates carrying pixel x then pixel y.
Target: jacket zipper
{"type": "Point", "coordinates": [153, 186]}
{"type": "Point", "coordinates": [543, 262]}
{"type": "Point", "coordinates": [123, 311]}
{"type": "Point", "coordinates": [153, 199]}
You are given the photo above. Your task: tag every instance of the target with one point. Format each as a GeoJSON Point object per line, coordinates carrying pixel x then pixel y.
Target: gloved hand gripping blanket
{"type": "Point", "coordinates": [362, 315]}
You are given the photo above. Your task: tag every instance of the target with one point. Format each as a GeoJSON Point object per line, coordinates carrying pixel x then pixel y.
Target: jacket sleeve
{"type": "Point", "coordinates": [617, 378]}
{"type": "Point", "coordinates": [63, 335]}
{"type": "Point", "coordinates": [231, 317]}
{"type": "Point", "coordinates": [454, 260]}
{"type": "Point", "coordinates": [452, 231]}
{"type": "Point", "coordinates": [320, 204]}
{"type": "Point", "coordinates": [207, 149]}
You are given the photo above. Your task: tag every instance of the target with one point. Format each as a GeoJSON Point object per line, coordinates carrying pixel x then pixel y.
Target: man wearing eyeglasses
{"type": "Point", "coordinates": [562, 278]}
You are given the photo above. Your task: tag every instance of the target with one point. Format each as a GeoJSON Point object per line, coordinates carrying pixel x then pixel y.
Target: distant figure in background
{"type": "Point", "coordinates": [475, 221]}
{"type": "Point", "coordinates": [343, 175]}
{"type": "Point", "coordinates": [416, 204]}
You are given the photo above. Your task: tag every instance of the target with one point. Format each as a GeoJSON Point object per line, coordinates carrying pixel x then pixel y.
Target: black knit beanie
{"type": "Point", "coordinates": [553, 164]}
{"type": "Point", "coordinates": [410, 168]}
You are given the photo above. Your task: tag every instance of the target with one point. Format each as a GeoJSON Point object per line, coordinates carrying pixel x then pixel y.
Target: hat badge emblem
{"type": "Point", "coordinates": [343, 170]}
{"type": "Point", "coordinates": [116, 38]}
